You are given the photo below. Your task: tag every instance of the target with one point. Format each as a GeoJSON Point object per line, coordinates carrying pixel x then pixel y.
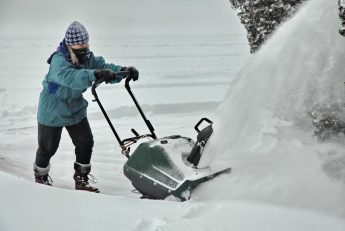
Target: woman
{"type": "Point", "coordinates": [72, 70]}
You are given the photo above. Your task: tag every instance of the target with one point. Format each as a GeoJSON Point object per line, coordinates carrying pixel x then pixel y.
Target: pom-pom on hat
{"type": "Point", "coordinates": [76, 34]}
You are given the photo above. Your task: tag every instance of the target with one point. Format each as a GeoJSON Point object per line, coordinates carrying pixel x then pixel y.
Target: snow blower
{"type": "Point", "coordinates": [163, 167]}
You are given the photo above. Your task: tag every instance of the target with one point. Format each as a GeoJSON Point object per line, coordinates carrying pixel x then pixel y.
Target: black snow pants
{"type": "Point", "coordinates": [49, 139]}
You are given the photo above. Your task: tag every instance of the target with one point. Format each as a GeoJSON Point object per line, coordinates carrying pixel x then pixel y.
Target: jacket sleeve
{"type": "Point", "coordinates": [100, 64]}
{"type": "Point", "coordinates": [65, 74]}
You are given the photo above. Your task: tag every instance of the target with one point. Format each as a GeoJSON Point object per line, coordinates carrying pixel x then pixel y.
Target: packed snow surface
{"type": "Point", "coordinates": [282, 178]}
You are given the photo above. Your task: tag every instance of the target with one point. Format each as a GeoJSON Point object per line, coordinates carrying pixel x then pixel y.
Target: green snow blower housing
{"type": "Point", "coordinates": [160, 168]}
{"type": "Point", "coordinates": [166, 166]}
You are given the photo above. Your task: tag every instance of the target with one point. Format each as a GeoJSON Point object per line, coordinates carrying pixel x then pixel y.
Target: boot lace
{"type": "Point", "coordinates": [86, 179]}
{"type": "Point", "coordinates": [46, 179]}
{"type": "Point", "coordinates": [91, 178]}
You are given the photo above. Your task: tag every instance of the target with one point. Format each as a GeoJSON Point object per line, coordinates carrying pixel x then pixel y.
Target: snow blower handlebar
{"type": "Point", "coordinates": [128, 141]}
{"type": "Point", "coordinates": [147, 122]}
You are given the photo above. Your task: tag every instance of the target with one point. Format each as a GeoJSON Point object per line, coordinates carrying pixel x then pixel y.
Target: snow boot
{"type": "Point", "coordinates": [42, 176]}
{"type": "Point", "coordinates": [82, 176]}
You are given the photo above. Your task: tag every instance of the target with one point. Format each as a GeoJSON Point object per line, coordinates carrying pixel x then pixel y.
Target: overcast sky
{"type": "Point", "coordinates": [50, 18]}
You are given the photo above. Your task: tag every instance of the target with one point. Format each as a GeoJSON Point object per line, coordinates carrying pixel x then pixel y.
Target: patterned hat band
{"type": "Point", "coordinates": [76, 34]}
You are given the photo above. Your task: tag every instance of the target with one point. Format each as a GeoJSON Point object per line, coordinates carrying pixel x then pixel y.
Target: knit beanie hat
{"type": "Point", "coordinates": [76, 34]}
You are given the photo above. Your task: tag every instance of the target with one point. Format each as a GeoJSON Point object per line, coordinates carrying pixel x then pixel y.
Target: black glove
{"type": "Point", "coordinates": [105, 74]}
{"type": "Point", "coordinates": [133, 73]}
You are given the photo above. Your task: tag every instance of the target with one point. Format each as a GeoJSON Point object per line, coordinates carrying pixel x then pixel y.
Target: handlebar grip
{"type": "Point", "coordinates": [123, 74]}
{"type": "Point", "coordinates": [95, 84]}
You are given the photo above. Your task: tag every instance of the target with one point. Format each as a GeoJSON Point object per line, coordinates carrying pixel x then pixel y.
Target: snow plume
{"type": "Point", "coordinates": [262, 17]}
{"type": "Point", "coordinates": [265, 128]}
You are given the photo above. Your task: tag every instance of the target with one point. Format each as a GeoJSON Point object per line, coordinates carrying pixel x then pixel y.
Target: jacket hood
{"type": "Point", "coordinates": [63, 49]}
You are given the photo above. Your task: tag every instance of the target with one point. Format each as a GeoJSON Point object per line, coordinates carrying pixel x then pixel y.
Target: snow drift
{"type": "Point", "coordinates": [264, 128]}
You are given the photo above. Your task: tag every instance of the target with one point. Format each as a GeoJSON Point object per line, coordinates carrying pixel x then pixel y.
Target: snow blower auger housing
{"type": "Point", "coordinates": [167, 166]}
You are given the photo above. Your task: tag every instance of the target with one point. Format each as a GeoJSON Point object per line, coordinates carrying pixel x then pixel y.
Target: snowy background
{"type": "Point", "coordinates": [194, 62]}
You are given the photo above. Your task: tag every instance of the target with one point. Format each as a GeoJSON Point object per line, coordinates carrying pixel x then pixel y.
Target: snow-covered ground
{"type": "Point", "coordinates": [25, 206]}
{"type": "Point", "coordinates": [189, 55]}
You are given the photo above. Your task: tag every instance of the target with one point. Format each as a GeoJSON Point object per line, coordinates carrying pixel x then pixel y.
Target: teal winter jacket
{"type": "Point", "coordinates": [61, 101]}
